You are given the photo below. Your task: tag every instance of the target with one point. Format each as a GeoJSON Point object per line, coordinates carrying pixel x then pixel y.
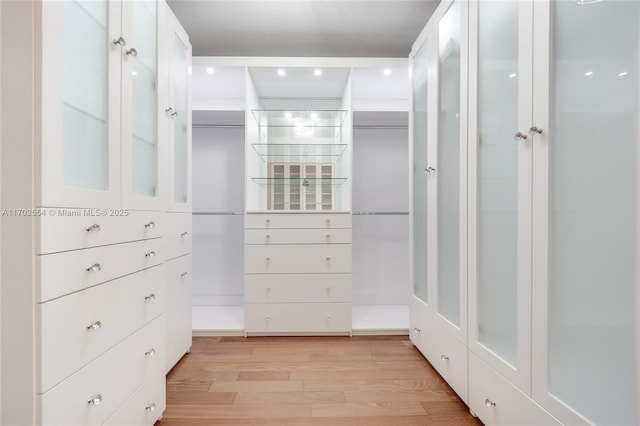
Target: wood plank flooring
{"type": "Point", "coordinates": [306, 381]}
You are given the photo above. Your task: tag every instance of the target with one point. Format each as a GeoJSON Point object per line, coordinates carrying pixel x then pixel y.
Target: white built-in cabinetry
{"type": "Point", "coordinates": [88, 207]}
{"type": "Point", "coordinates": [526, 200]}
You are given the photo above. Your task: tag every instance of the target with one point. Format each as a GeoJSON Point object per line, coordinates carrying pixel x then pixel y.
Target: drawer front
{"type": "Point", "coordinates": [497, 402]}
{"type": "Point", "coordinates": [297, 220]}
{"type": "Point", "coordinates": [179, 234]}
{"type": "Point", "coordinates": [67, 272]}
{"type": "Point", "coordinates": [81, 229]}
{"type": "Point", "coordinates": [145, 406]}
{"type": "Point", "coordinates": [449, 357]}
{"type": "Point", "coordinates": [68, 343]}
{"type": "Point", "coordinates": [297, 236]}
{"type": "Point", "coordinates": [178, 309]}
{"type": "Point", "coordinates": [115, 376]}
{"type": "Point", "coordinates": [274, 259]}
{"type": "Point", "coordinates": [421, 326]}
{"type": "Point", "coordinates": [298, 318]}
{"type": "Point", "coordinates": [297, 288]}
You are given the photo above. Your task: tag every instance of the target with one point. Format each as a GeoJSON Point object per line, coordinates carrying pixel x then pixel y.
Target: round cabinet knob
{"type": "Point", "coordinates": [416, 330]}
{"type": "Point", "coordinates": [444, 358]}
{"type": "Point", "coordinates": [94, 326]}
{"type": "Point", "coordinates": [267, 221]}
{"type": "Point", "coordinates": [519, 136]}
{"type": "Point", "coordinates": [328, 236]}
{"type": "Point", "coordinates": [328, 318]}
{"type": "Point", "coordinates": [150, 297]}
{"type": "Point", "coordinates": [150, 225]}
{"type": "Point", "coordinates": [184, 234]}
{"type": "Point", "coordinates": [151, 352]}
{"type": "Point", "coordinates": [150, 254]}
{"type": "Point", "coordinates": [184, 274]}
{"type": "Point", "coordinates": [95, 400]}
{"type": "Point", "coordinates": [328, 259]}
{"type": "Point", "coordinates": [169, 111]}
{"type": "Point", "coordinates": [93, 228]}
{"type": "Point", "coordinates": [328, 221]}
{"type": "Point", "coordinates": [268, 259]}
{"type": "Point", "coordinates": [268, 290]}
{"type": "Point", "coordinates": [96, 267]}
{"type": "Point", "coordinates": [429, 170]}
{"type": "Point", "coordinates": [268, 236]}
{"type": "Point", "coordinates": [174, 113]}
{"type": "Point", "coordinates": [131, 52]}
{"type": "Point", "coordinates": [120, 41]}
{"type": "Point", "coordinates": [328, 289]}
{"type": "Point", "coordinates": [489, 403]}
{"type": "Point", "coordinates": [268, 319]}
{"type": "Point", "coordinates": [151, 407]}
{"type": "Point", "coordinates": [535, 130]}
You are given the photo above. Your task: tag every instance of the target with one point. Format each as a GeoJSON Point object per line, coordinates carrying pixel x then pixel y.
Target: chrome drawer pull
{"type": "Point", "coordinates": [151, 407]}
{"type": "Point", "coordinates": [169, 111]}
{"type": "Point", "coordinates": [150, 254]}
{"type": "Point", "coordinates": [96, 267]}
{"type": "Point", "coordinates": [95, 400]}
{"type": "Point", "coordinates": [328, 221]}
{"type": "Point", "coordinates": [95, 326]}
{"type": "Point", "coordinates": [268, 259]}
{"type": "Point", "coordinates": [184, 234]}
{"type": "Point", "coordinates": [416, 330]}
{"type": "Point", "coordinates": [184, 274]}
{"type": "Point", "coordinates": [429, 170]}
{"type": "Point", "coordinates": [268, 319]}
{"type": "Point", "coordinates": [93, 228]}
{"type": "Point", "coordinates": [489, 403]}
{"type": "Point", "coordinates": [444, 358]}
{"type": "Point", "coordinates": [328, 318]}
{"type": "Point", "coordinates": [328, 236]}
{"type": "Point", "coordinates": [151, 352]}
{"type": "Point", "coordinates": [328, 259]}
{"type": "Point", "coordinates": [150, 225]}
{"type": "Point", "coordinates": [328, 290]}
{"type": "Point", "coordinates": [132, 52]}
{"type": "Point", "coordinates": [519, 136]}
{"type": "Point", "coordinates": [150, 297]}
{"type": "Point", "coordinates": [268, 236]}
{"type": "Point", "coordinates": [268, 290]}
{"type": "Point", "coordinates": [120, 41]}
{"type": "Point", "coordinates": [535, 131]}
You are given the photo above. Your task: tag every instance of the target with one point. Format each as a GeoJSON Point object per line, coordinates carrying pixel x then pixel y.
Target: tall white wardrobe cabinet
{"type": "Point", "coordinates": [93, 155]}
{"type": "Point", "coordinates": [525, 221]}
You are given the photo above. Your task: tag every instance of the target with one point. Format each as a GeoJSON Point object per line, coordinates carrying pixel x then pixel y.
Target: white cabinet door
{"type": "Point", "coordinates": [500, 187]}
{"type": "Point", "coordinates": [179, 113]}
{"type": "Point", "coordinates": [585, 216]}
{"type": "Point", "coordinates": [78, 156]}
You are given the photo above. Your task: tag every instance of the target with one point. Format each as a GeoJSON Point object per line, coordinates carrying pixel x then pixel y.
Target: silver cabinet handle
{"type": "Point", "coordinates": [268, 259]}
{"type": "Point", "coordinates": [184, 234]}
{"type": "Point", "coordinates": [93, 228]}
{"type": "Point", "coordinates": [328, 236]}
{"type": "Point", "coordinates": [328, 318]}
{"type": "Point", "coordinates": [150, 297]}
{"type": "Point", "coordinates": [96, 267]}
{"type": "Point", "coordinates": [268, 236]}
{"type": "Point", "coordinates": [444, 358]}
{"type": "Point", "coordinates": [151, 407]}
{"type": "Point", "coordinates": [174, 113]}
{"type": "Point", "coordinates": [132, 52]}
{"type": "Point", "coordinates": [268, 319]}
{"type": "Point", "coordinates": [328, 259]}
{"type": "Point", "coordinates": [150, 225]}
{"type": "Point", "coordinates": [267, 220]}
{"type": "Point", "coordinates": [429, 170]}
{"type": "Point", "coordinates": [120, 41]}
{"type": "Point", "coordinates": [416, 330]}
{"type": "Point", "coordinates": [151, 352]}
{"type": "Point", "coordinates": [150, 254]}
{"type": "Point", "coordinates": [519, 136]}
{"type": "Point", "coordinates": [328, 221]}
{"type": "Point", "coordinates": [268, 290]}
{"type": "Point", "coordinates": [489, 403]}
{"type": "Point", "coordinates": [169, 111]}
{"type": "Point", "coordinates": [535, 131]}
{"type": "Point", "coordinates": [95, 400]}
{"type": "Point", "coordinates": [328, 290]}
{"type": "Point", "coordinates": [184, 274]}
{"type": "Point", "coordinates": [94, 326]}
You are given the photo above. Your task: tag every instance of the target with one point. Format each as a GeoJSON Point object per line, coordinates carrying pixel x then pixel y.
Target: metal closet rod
{"type": "Point", "coordinates": [380, 213]}
{"type": "Point", "coordinates": [217, 126]}
{"type": "Point", "coordinates": [218, 213]}
{"type": "Point", "coordinates": [355, 126]}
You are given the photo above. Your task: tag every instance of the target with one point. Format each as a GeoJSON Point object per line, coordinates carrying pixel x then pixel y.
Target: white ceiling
{"type": "Point", "coordinates": [309, 28]}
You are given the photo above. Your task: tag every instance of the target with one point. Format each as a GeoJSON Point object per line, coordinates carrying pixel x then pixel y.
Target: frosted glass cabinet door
{"type": "Point", "coordinates": [500, 187]}
{"type": "Point", "coordinates": [180, 118]}
{"type": "Point", "coordinates": [420, 173]}
{"type": "Point", "coordinates": [80, 123]}
{"type": "Point", "coordinates": [585, 216]}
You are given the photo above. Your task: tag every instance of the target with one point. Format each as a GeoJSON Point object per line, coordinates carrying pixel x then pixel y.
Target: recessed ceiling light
{"type": "Point", "coordinates": [622, 74]}
{"type": "Point", "coordinates": [317, 72]}
{"type": "Point", "coordinates": [513, 75]}
{"type": "Point", "coordinates": [588, 73]}
{"type": "Point", "coordinates": [210, 70]}
{"type": "Point", "coordinates": [288, 115]}
{"type": "Point", "coordinates": [387, 71]}
{"type": "Point", "coordinates": [282, 72]}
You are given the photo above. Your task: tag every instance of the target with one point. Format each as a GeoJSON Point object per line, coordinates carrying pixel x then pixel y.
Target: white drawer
{"type": "Point", "coordinates": [296, 288]}
{"type": "Point", "coordinates": [121, 307]}
{"type": "Point", "coordinates": [78, 230]}
{"type": "Point", "coordinates": [497, 402]}
{"type": "Point", "coordinates": [145, 406]}
{"type": "Point", "coordinates": [297, 220]}
{"type": "Point", "coordinates": [421, 326]}
{"type": "Point", "coordinates": [297, 236]}
{"type": "Point", "coordinates": [179, 234]}
{"type": "Point", "coordinates": [298, 318]}
{"type": "Point", "coordinates": [178, 309]}
{"type": "Point", "coordinates": [274, 259]}
{"type": "Point", "coordinates": [115, 376]}
{"type": "Point", "coordinates": [66, 272]}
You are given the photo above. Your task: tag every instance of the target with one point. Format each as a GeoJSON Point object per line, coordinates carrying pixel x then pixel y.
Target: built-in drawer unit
{"type": "Point", "coordinates": [300, 259]}
{"type": "Point", "coordinates": [449, 357]}
{"type": "Point", "coordinates": [298, 317]}
{"type": "Point", "coordinates": [178, 309]}
{"type": "Point", "coordinates": [297, 220]}
{"type": "Point", "coordinates": [145, 406]}
{"type": "Point", "coordinates": [79, 327]}
{"type": "Point", "coordinates": [67, 272]}
{"type": "Point", "coordinates": [297, 236]}
{"type": "Point", "coordinates": [179, 232]}
{"type": "Point", "coordinates": [297, 288]}
{"type": "Point", "coordinates": [72, 229]}
{"type": "Point", "coordinates": [497, 402]}
{"type": "Point", "coordinates": [94, 393]}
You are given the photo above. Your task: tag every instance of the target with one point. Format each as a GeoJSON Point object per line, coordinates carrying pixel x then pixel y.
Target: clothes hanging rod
{"type": "Point", "coordinates": [217, 126]}
{"type": "Point", "coordinates": [380, 213]}
{"type": "Point", "coordinates": [381, 126]}
{"type": "Point", "coordinates": [218, 213]}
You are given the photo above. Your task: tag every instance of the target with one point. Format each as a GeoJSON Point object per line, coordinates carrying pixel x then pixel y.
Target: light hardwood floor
{"type": "Point", "coordinates": [357, 381]}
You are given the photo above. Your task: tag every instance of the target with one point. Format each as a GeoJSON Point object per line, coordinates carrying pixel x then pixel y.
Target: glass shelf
{"type": "Point", "coordinates": [299, 118]}
{"type": "Point", "coordinates": [265, 181]}
{"type": "Point", "coordinates": [300, 153]}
